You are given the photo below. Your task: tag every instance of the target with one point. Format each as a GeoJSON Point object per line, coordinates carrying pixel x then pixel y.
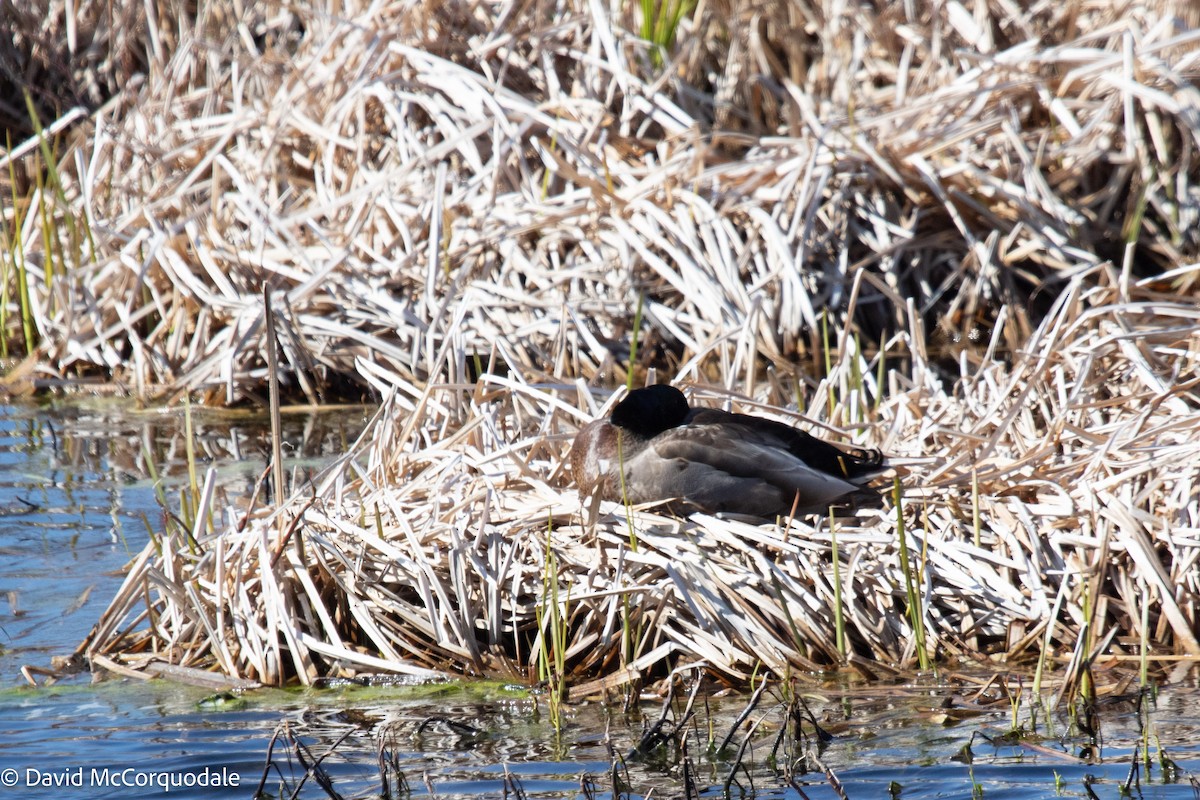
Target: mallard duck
{"type": "Point", "coordinates": [712, 460]}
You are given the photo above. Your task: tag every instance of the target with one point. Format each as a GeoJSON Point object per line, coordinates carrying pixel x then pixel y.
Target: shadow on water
{"type": "Point", "coordinates": [77, 501]}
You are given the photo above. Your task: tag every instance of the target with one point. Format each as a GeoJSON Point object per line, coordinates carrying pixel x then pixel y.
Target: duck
{"type": "Point", "coordinates": [711, 460]}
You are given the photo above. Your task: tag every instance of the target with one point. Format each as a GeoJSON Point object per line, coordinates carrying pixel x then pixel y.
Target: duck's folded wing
{"type": "Point", "coordinates": [708, 457]}
{"type": "Point", "coordinates": [817, 453]}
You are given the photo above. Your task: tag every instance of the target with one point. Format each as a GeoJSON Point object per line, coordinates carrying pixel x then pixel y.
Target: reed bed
{"type": "Point", "coordinates": [418, 180]}
{"type": "Point", "coordinates": [427, 555]}
{"type": "Point", "coordinates": [966, 236]}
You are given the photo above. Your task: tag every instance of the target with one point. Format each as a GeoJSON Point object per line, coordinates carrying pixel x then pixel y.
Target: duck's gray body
{"type": "Point", "coordinates": [710, 459]}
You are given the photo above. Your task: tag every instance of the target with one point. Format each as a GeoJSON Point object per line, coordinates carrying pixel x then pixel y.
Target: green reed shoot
{"type": "Point", "coordinates": [1170, 770]}
{"type": "Point", "coordinates": [797, 391]}
{"type": "Point", "coordinates": [828, 362]}
{"type": "Point", "coordinates": [16, 247]}
{"type": "Point", "coordinates": [57, 254]}
{"type": "Point", "coordinates": [916, 618]}
{"type": "Point", "coordinates": [50, 249]}
{"type": "Point", "coordinates": [856, 380]}
{"type": "Point", "coordinates": [1075, 689]}
{"type": "Point", "coordinates": [975, 518]}
{"type": "Point", "coordinates": [633, 541]}
{"type": "Point", "coordinates": [967, 756]}
{"type": "Point", "coordinates": [1044, 653]}
{"type": "Point", "coordinates": [1133, 225]}
{"type": "Point", "coordinates": [630, 636]}
{"type": "Point", "coordinates": [880, 374]}
{"type": "Point", "coordinates": [12, 250]}
{"type": "Point", "coordinates": [183, 519]}
{"type": "Point", "coordinates": [1145, 724]}
{"type": "Point", "coordinates": [797, 639]}
{"type": "Point", "coordinates": [152, 471]}
{"type": "Point", "coordinates": [627, 655]}
{"type": "Point", "coordinates": [633, 346]}
{"type": "Point", "coordinates": [189, 435]}
{"type": "Point", "coordinates": [1143, 665]}
{"type": "Point", "coordinates": [633, 343]}
{"type": "Point", "coordinates": [52, 194]}
{"type": "Point", "coordinates": [839, 621]}
{"type": "Point", "coordinates": [552, 623]}
{"type": "Point", "coordinates": [1085, 690]}
{"type": "Point", "coordinates": [189, 445]}
{"type": "Point", "coordinates": [1014, 709]}
{"type": "Point", "coordinates": [660, 23]}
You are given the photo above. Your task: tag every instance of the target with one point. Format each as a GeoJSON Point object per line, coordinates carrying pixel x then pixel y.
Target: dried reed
{"type": "Point", "coordinates": [426, 554]}
{"type": "Point", "coordinates": [423, 185]}
{"type": "Point", "coordinates": [432, 191]}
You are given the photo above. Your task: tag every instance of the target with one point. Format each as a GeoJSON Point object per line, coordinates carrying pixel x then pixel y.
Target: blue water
{"type": "Point", "coordinates": [76, 502]}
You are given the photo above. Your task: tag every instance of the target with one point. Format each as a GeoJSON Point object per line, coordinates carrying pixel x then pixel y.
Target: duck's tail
{"type": "Point", "coordinates": [859, 466]}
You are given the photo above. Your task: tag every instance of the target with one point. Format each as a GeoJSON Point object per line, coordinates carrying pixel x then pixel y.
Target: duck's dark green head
{"type": "Point", "coordinates": [650, 411]}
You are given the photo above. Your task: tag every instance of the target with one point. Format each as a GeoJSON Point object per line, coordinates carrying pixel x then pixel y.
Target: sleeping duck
{"type": "Point", "coordinates": [712, 460]}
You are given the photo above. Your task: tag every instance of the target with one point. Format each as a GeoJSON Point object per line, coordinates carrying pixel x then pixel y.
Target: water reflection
{"type": "Point", "coordinates": [78, 499]}
{"type": "Point", "coordinates": [886, 746]}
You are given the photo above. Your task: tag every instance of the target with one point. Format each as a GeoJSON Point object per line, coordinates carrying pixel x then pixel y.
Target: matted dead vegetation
{"type": "Point", "coordinates": [438, 192]}
{"type": "Point", "coordinates": [414, 180]}
{"type": "Point", "coordinates": [430, 554]}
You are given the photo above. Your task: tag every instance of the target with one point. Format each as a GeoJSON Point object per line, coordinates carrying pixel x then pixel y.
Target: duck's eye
{"type": "Point", "coordinates": [681, 464]}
